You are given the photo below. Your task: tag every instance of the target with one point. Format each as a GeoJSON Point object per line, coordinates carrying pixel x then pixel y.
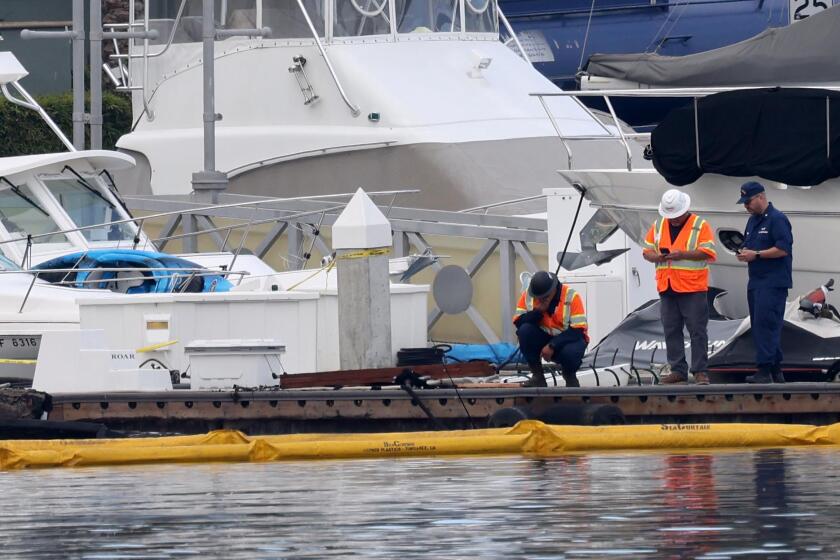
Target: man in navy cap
{"type": "Point", "coordinates": [551, 325]}
{"type": "Point", "coordinates": [768, 252]}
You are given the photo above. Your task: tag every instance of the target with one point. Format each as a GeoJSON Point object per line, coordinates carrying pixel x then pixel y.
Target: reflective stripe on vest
{"type": "Point", "coordinates": [567, 313]}
{"type": "Point", "coordinates": [691, 245]}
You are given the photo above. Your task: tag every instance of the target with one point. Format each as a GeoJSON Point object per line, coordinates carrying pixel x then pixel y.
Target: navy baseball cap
{"type": "Point", "coordinates": [749, 190]}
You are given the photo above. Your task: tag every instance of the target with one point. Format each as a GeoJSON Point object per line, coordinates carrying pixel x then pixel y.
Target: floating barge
{"type": "Point", "coordinates": [383, 407]}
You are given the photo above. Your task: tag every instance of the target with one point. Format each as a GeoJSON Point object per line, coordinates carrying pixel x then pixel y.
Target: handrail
{"type": "Point", "coordinates": [168, 41]}
{"type": "Point", "coordinates": [37, 273]}
{"type": "Point", "coordinates": [354, 110]}
{"type": "Point", "coordinates": [513, 36]}
{"type": "Point", "coordinates": [486, 207]}
{"type": "Point", "coordinates": [668, 92]}
{"type": "Point", "coordinates": [201, 209]}
{"type": "Point", "coordinates": [30, 103]}
{"type": "Point", "coordinates": [294, 155]}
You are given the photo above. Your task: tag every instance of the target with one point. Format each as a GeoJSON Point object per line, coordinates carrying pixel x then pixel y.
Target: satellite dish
{"type": "Point", "coordinates": [452, 289]}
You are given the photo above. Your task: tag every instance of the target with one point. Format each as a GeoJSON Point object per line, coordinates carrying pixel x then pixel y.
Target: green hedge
{"type": "Point", "coordinates": [22, 131]}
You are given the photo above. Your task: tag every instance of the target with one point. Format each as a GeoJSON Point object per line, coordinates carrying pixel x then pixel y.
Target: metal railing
{"type": "Point", "coordinates": [177, 274]}
{"type": "Point", "coordinates": [302, 220]}
{"type": "Point", "coordinates": [618, 133]}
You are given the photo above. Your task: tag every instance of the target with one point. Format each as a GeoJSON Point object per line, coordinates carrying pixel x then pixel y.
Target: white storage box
{"type": "Point", "coordinates": [221, 364]}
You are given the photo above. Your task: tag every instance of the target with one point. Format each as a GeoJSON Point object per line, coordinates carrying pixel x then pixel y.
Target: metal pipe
{"type": "Point", "coordinates": [513, 36]}
{"type": "Point", "coordinates": [503, 203]}
{"type": "Point", "coordinates": [697, 133]}
{"type": "Point", "coordinates": [354, 110]}
{"type": "Point", "coordinates": [28, 291]}
{"type": "Point", "coordinates": [79, 74]}
{"type": "Point", "coordinates": [150, 34]}
{"type": "Point", "coordinates": [664, 92]}
{"type": "Point", "coordinates": [95, 74]}
{"type": "Point", "coordinates": [620, 133]}
{"type": "Point", "coordinates": [557, 130]}
{"type": "Point", "coordinates": [201, 209]}
{"type": "Point", "coordinates": [77, 36]}
{"type": "Point", "coordinates": [261, 32]}
{"type": "Point", "coordinates": [208, 36]}
{"type": "Point", "coordinates": [30, 103]}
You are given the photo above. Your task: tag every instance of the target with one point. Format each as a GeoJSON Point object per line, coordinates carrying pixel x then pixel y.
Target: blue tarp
{"type": "Point", "coordinates": [160, 272]}
{"type": "Point", "coordinates": [499, 354]}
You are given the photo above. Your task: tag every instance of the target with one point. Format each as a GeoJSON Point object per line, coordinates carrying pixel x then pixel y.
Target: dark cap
{"type": "Point", "coordinates": [541, 284]}
{"type": "Point", "coordinates": [749, 190]}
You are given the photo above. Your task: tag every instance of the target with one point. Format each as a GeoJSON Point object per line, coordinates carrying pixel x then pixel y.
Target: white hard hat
{"type": "Point", "coordinates": [674, 204]}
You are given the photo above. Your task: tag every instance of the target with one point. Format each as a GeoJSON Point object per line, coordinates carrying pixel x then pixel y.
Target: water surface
{"type": "Point", "coordinates": [750, 504]}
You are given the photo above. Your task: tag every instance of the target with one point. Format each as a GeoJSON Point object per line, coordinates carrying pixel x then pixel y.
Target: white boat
{"type": "Point", "coordinates": [375, 94]}
{"type": "Point", "coordinates": [63, 205]}
{"type": "Point", "coordinates": [785, 151]}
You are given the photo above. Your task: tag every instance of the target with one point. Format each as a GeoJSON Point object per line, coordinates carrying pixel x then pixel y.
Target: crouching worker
{"type": "Point", "coordinates": [551, 325]}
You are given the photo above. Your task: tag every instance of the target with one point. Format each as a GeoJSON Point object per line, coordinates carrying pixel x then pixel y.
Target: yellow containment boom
{"type": "Point", "coordinates": [529, 437]}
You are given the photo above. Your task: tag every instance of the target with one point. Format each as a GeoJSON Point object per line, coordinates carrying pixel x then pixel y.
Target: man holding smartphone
{"type": "Point", "coordinates": [681, 245]}
{"type": "Point", "coordinates": [768, 252]}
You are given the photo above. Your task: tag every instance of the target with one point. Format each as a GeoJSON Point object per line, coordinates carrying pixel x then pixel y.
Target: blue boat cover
{"type": "Point", "coordinates": [156, 268]}
{"type": "Point", "coordinates": [500, 353]}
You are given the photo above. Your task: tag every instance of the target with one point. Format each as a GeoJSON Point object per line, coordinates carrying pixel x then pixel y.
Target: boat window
{"type": "Point", "coordinates": [356, 18]}
{"type": "Point", "coordinates": [22, 214]}
{"type": "Point", "coordinates": [427, 16]}
{"type": "Point", "coordinates": [284, 17]}
{"type": "Point", "coordinates": [163, 15]}
{"type": "Point", "coordinates": [480, 16]}
{"type": "Point", "coordinates": [87, 207]}
{"type": "Point", "coordinates": [8, 264]}
{"type": "Point", "coordinates": [731, 239]}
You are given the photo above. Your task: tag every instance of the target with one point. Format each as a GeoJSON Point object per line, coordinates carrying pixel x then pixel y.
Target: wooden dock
{"type": "Point", "coordinates": [394, 409]}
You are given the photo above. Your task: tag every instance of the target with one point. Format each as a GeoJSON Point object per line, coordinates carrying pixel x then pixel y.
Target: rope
{"type": "Point", "coordinates": [366, 253]}
{"type": "Point", "coordinates": [586, 36]}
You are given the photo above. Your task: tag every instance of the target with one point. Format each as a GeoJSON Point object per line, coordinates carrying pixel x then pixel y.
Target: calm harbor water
{"type": "Point", "coordinates": [747, 504]}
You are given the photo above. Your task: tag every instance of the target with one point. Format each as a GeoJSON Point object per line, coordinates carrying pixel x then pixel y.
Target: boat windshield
{"type": "Point", "coordinates": [8, 265]}
{"type": "Point", "coordinates": [283, 17]}
{"type": "Point", "coordinates": [351, 18]}
{"type": "Point", "coordinates": [21, 214]}
{"type": "Point", "coordinates": [427, 16]}
{"type": "Point", "coordinates": [89, 207]}
{"type": "Point", "coordinates": [355, 18]}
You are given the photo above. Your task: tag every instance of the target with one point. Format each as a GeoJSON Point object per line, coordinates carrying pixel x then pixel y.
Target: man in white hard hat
{"type": "Point", "coordinates": [681, 245]}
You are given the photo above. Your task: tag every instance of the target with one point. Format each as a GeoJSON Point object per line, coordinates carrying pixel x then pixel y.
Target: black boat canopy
{"type": "Point", "coordinates": [789, 135]}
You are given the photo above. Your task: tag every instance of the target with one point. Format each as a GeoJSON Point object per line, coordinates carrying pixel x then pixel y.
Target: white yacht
{"type": "Point", "coordinates": [348, 93]}
{"type": "Point", "coordinates": [787, 139]}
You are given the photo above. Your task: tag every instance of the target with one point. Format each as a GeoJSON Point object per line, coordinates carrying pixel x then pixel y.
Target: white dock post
{"type": "Point", "coordinates": [362, 241]}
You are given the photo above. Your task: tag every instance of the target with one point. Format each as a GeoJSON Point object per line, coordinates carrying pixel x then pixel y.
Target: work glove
{"type": "Point", "coordinates": [534, 316]}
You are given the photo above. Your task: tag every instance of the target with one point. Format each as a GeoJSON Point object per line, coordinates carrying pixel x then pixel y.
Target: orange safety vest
{"type": "Point", "coordinates": [682, 275]}
{"type": "Point", "coordinates": [569, 312]}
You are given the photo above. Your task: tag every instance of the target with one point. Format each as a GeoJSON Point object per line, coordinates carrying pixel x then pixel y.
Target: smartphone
{"type": "Point", "coordinates": [664, 251]}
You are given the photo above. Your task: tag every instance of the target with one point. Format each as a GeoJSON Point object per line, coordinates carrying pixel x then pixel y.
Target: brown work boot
{"type": "Point", "coordinates": [537, 376]}
{"type": "Point", "coordinates": [673, 379]}
{"type": "Point", "coordinates": [701, 378]}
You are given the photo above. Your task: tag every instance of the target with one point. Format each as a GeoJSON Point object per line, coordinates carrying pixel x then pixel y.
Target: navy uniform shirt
{"type": "Point", "coordinates": [771, 229]}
